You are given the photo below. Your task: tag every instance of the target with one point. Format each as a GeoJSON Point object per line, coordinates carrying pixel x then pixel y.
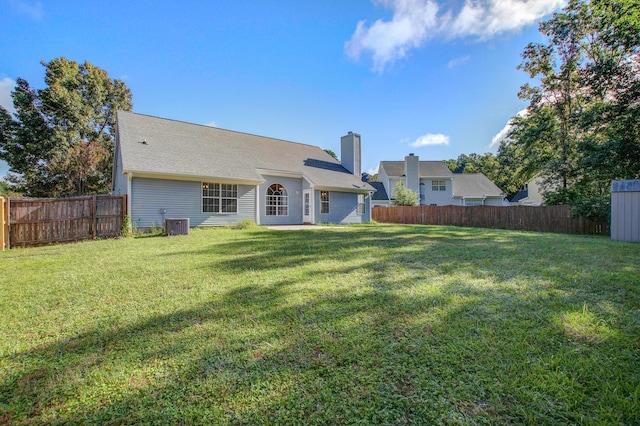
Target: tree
{"type": "Point", "coordinates": [331, 153]}
{"type": "Point", "coordinates": [494, 167]}
{"type": "Point", "coordinates": [582, 127]}
{"type": "Point", "coordinates": [61, 140]}
{"type": "Point", "coordinates": [366, 177]}
{"type": "Point", "coordinates": [403, 196]}
{"type": "Point", "coordinates": [26, 143]}
{"type": "Point", "coordinates": [6, 190]}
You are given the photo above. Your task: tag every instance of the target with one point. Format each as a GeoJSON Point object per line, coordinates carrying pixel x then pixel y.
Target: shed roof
{"type": "Point", "coordinates": [168, 147]}
{"type": "Point", "coordinates": [625, 185]}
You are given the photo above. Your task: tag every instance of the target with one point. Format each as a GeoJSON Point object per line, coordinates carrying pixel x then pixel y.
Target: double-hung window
{"type": "Point", "coordinates": [438, 185]}
{"type": "Point", "coordinates": [219, 198]}
{"type": "Point", "coordinates": [324, 202]}
{"type": "Point", "coordinates": [360, 203]}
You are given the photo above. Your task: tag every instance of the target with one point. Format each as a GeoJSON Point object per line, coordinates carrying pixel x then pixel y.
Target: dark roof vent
{"type": "Point", "coordinates": [144, 142]}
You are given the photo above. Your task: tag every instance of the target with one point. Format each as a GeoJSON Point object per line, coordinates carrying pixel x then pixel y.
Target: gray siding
{"type": "Point", "coordinates": [294, 192]}
{"type": "Point", "coordinates": [119, 179]}
{"type": "Point", "coordinates": [350, 153]}
{"type": "Point", "coordinates": [182, 199]}
{"type": "Point", "coordinates": [493, 202]}
{"type": "Point", "coordinates": [412, 173]}
{"type": "Point", "coordinates": [382, 177]}
{"type": "Point", "coordinates": [440, 198]}
{"type": "Point", "coordinates": [343, 208]}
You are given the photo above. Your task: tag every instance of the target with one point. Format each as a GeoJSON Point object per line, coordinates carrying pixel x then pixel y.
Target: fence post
{"type": "Point", "coordinates": [125, 212]}
{"type": "Point", "coordinates": [94, 218]}
{"type": "Point", "coordinates": [2, 224]}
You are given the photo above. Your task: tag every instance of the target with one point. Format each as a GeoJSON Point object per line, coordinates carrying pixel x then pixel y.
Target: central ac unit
{"type": "Point", "coordinates": [177, 226]}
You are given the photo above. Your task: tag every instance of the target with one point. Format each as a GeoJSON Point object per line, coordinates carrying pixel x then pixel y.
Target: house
{"type": "Point", "coordinates": [530, 195]}
{"type": "Point", "coordinates": [435, 184]}
{"type": "Point", "coordinates": [173, 169]}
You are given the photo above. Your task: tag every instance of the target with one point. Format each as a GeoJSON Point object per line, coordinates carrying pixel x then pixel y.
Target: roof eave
{"type": "Point", "coordinates": [187, 177]}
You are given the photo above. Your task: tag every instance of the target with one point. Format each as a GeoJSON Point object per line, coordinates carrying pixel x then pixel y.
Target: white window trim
{"type": "Point", "coordinates": [362, 204]}
{"type": "Point", "coordinates": [328, 202]}
{"type": "Point", "coordinates": [220, 198]}
{"type": "Point", "coordinates": [438, 184]}
{"type": "Point", "coordinates": [277, 206]}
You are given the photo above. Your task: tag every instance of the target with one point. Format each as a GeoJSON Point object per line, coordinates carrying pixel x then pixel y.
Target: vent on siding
{"type": "Point", "coordinates": [177, 226]}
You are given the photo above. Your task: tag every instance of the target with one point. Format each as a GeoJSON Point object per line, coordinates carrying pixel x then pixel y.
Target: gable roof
{"type": "Point", "coordinates": [520, 195]}
{"type": "Point", "coordinates": [381, 193]}
{"type": "Point", "coordinates": [427, 168]}
{"type": "Point", "coordinates": [470, 185]}
{"type": "Point", "coordinates": [189, 150]}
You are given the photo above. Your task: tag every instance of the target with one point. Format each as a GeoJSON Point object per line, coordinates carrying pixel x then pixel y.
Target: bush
{"type": "Point", "coordinates": [246, 224]}
{"type": "Point", "coordinates": [404, 196]}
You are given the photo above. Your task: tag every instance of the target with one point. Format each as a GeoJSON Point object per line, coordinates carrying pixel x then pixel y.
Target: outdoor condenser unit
{"type": "Point", "coordinates": [177, 226]}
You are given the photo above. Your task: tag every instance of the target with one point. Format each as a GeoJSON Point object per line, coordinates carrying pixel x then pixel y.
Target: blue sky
{"type": "Point", "coordinates": [434, 77]}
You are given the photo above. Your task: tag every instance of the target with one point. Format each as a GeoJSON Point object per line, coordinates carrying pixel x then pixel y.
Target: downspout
{"type": "Point", "coordinates": [129, 212]}
{"type": "Point", "coordinates": [257, 204]}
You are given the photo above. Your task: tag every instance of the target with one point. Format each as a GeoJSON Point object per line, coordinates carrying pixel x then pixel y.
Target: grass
{"type": "Point", "coordinates": [370, 324]}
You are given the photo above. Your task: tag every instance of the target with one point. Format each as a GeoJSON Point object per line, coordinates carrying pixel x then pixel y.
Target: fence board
{"type": "Point", "coordinates": [42, 221]}
{"type": "Point", "coordinates": [4, 231]}
{"type": "Point", "coordinates": [525, 218]}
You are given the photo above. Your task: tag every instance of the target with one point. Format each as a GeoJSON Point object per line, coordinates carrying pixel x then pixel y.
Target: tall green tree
{"type": "Point", "coordinates": [60, 141]}
{"type": "Point", "coordinates": [581, 130]}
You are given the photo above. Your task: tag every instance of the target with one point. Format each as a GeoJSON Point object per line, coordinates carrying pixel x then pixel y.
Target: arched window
{"type": "Point", "coordinates": [277, 200]}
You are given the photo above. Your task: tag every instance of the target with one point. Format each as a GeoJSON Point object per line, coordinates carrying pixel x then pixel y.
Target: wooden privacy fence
{"type": "Point", "coordinates": [4, 225]}
{"type": "Point", "coordinates": [525, 218]}
{"type": "Point", "coordinates": [41, 221]}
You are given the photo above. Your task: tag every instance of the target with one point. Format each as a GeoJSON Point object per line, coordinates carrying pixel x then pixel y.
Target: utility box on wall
{"type": "Point", "coordinates": [625, 210]}
{"type": "Point", "coordinates": [177, 226]}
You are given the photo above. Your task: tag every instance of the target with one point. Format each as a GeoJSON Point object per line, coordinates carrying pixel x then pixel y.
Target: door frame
{"type": "Point", "coordinates": [307, 203]}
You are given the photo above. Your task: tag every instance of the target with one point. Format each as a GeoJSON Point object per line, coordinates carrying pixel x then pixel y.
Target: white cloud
{"type": "Point", "coordinates": [502, 134]}
{"type": "Point", "coordinates": [488, 18]}
{"type": "Point", "coordinates": [211, 124]}
{"type": "Point", "coordinates": [416, 21]}
{"type": "Point", "coordinates": [389, 41]}
{"type": "Point", "coordinates": [6, 87]}
{"type": "Point", "coordinates": [32, 9]}
{"type": "Point", "coordinates": [458, 61]}
{"type": "Point", "coordinates": [431, 139]}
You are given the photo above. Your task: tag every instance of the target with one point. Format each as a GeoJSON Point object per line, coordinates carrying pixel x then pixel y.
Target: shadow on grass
{"type": "Point", "coordinates": [413, 325]}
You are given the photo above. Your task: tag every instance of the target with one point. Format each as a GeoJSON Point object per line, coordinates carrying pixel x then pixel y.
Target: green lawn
{"type": "Point", "coordinates": [374, 324]}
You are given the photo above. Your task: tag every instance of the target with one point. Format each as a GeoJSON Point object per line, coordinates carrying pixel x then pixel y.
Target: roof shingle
{"type": "Point", "coordinates": [474, 185]}
{"type": "Point", "coordinates": [192, 150]}
{"type": "Point", "coordinates": [427, 168]}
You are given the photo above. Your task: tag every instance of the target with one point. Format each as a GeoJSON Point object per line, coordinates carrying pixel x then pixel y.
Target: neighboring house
{"type": "Point", "coordinates": [435, 184]}
{"type": "Point", "coordinates": [173, 169]}
{"type": "Point", "coordinates": [530, 195]}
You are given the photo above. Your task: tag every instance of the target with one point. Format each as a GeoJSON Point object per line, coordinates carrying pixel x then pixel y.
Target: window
{"type": "Point", "coordinates": [307, 204]}
{"type": "Point", "coordinates": [219, 198]}
{"type": "Point", "coordinates": [360, 203]}
{"type": "Point", "coordinates": [438, 185]}
{"type": "Point", "coordinates": [473, 203]}
{"type": "Point", "coordinates": [324, 202]}
{"type": "Point", "coordinates": [277, 201]}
